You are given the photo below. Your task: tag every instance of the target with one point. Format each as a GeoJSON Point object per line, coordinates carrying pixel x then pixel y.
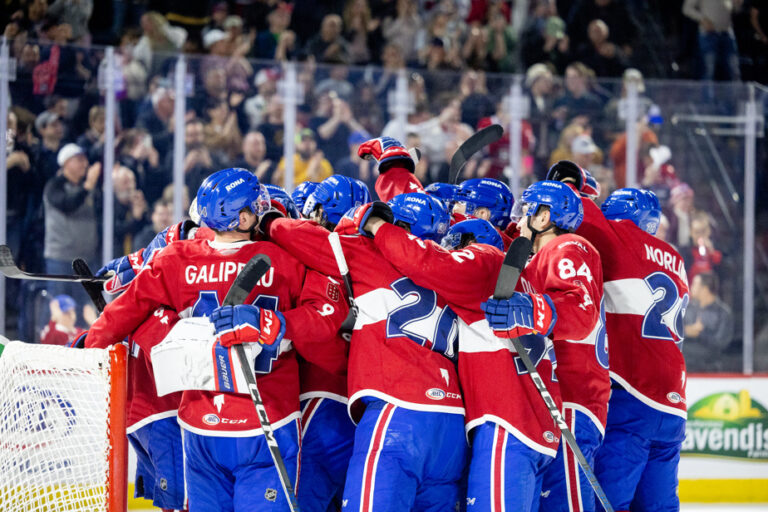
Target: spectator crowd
{"type": "Point", "coordinates": [459, 55]}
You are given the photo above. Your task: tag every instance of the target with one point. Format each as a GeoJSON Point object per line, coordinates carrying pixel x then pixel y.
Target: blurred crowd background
{"type": "Point", "coordinates": [693, 63]}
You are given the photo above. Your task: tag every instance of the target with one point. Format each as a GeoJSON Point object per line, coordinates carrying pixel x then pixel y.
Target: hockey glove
{"type": "Point", "coordinates": [388, 152]}
{"type": "Point", "coordinates": [521, 314]}
{"type": "Point", "coordinates": [244, 323]}
{"type": "Point", "coordinates": [125, 268]}
{"type": "Point", "coordinates": [377, 210]}
{"type": "Point", "coordinates": [266, 219]}
{"type": "Point", "coordinates": [567, 171]}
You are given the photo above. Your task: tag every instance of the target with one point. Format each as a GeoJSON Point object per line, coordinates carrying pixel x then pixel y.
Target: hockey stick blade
{"type": "Point", "coordinates": [9, 269]}
{"type": "Point", "coordinates": [472, 145]}
{"type": "Point", "coordinates": [80, 267]}
{"type": "Point", "coordinates": [243, 285]}
{"type": "Point", "coordinates": [246, 280]}
{"type": "Point", "coordinates": [514, 262]}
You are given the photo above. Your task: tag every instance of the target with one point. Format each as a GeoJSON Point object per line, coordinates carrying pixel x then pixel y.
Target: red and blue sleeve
{"type": "Point", "coordinates": [149, 290]}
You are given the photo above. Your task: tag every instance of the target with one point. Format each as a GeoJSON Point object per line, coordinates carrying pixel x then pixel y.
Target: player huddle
{"type": "Point", "coordinates": [415, 399]}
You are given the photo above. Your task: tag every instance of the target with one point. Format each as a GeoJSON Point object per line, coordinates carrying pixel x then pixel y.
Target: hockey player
{"type": "Point", "coordinates": [279, 195]}
{"type": "Point", "coordinates": [301, 193]}
{"type": "Point", "coordinates": [409, 450]}
{"type": "Point", "coordinates": [472, 231]}
{"type": "Point", "coordinates": [327, 433]}
{"type": "Point", "coordinates": [489, 199]}
{"type": "Point", "coordinates": [646, 292]}
{"type": "Point", "coordinates": [227, 463]}
{"type": "Point", "coordinates": [513, 436]}
{"type": "Point", "coordinates": [445, 192]}
{"type": "Point", "coordinates": [334, 197]}
{"type": "Point", "coordinates": [151, 422]}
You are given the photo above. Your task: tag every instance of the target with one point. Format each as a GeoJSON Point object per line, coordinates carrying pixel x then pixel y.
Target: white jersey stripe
{"type": "Point", "coordinates": [296, 415]}
{"type": "Point", "coordinates": [479, 337]}
{"type": "Point", "coordinates": [647, 401]}
{"type": "Point", "coordinates": [627, 297]}
{"type": "Point", "coordinates": [490, 418]}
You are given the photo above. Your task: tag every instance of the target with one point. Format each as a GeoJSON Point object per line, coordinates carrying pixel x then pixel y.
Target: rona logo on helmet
{"type": "Point", "coordinates": [234, 184]}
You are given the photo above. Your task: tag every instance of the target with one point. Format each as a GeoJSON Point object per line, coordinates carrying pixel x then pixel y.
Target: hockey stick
{"type": "Point", "coordinates": [244, 283]}
{"type": "Point", "coordinates": [81, 268]}
{"type": "Point", "coordinates": [514, 261]}
{"type": "Point", "coordinates": [341, 262]}
{"type": "Point", "coordinates": [93, 289]}
{"type": "Point", "coordinates": [9, 269]}
{"type": "Point", "coordinates": [472, 145]}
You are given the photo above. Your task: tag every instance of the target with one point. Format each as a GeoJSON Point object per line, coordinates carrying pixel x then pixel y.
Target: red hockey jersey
{"type": "Point", "coordinates": [192, 277]}
{"type": "Point", "coordinates": [326, 376]}
{"type": "Point", "coordinates": [402, 330]}
{"type": "Point", "coordinates": [568, 269]}
{"type": "Point", "coordinates": [646, 293]}
{"type": "Point", "coordinates": [493, 380]}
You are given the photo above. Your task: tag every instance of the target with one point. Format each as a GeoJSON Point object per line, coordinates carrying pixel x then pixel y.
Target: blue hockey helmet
{"type": "Point", "coordinates": [640, 206]}
{"type": "Point", "coordinates": [224, 193]}
{"type": "Point", "coordinates": [281, 196]}
{"type": "Point", "coordinates": [487, 193]}
{"type": "Point", "coordinates": [425, 215]}
{"type": "Point", "coordinates": [336, 195]}
{"type": "Point", "coordinates": [445, 192]}
{"type": "Point", "coordinates": [480, 230]}
{"type": "Point", "coordinates": [591, 187]}
{"type": "Point", "coordinates": [302, 192]}
{"type": "Point", "coordinates": [565, 208]}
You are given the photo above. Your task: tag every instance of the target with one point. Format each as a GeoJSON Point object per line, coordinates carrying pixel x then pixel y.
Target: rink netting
{"type": "Point", "coordinates": [54, 419]}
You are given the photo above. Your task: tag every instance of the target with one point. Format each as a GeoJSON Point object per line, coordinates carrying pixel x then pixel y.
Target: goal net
{"type": "Point", "coordinates": [62, 429]}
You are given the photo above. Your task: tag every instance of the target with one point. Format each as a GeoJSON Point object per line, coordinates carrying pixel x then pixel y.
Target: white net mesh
{"type": "Point", "coordinates": [54, 413]}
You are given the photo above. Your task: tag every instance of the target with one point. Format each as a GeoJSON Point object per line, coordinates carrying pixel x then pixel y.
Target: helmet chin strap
{"type": "Point", "coordinates": [537, 232]}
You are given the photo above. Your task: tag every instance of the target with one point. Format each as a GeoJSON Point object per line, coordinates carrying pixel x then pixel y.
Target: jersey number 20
{"type": "Point", "coordinates": [664, 319]}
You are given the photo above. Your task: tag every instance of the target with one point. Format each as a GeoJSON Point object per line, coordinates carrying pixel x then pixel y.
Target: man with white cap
{"type": "Point", "coordinates": [583, 149]}
{"type": "Point", "coordinates": [71, 199]}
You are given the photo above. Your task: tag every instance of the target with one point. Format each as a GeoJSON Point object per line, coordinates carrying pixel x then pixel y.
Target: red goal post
{"type": "Point", "coordinates": [62, 429]}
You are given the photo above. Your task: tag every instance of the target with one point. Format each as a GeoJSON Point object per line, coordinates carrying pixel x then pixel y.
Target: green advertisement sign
{"type": "Point", "coordinates": [727, 425]}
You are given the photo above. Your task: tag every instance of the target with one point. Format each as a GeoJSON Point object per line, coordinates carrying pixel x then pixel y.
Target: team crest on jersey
{"type": "Point", "coordinates": [674, 397]}
{"type": "Point", "coordinates": [333, 293]}
{"type": "Point", "coordinates": [211, 419]}
{"type": "Point", "coordinates": [435, 394]}
{"type": "Point", "coordinates": [549, 437]}
{"type": "Point", "coordinates": [270, 495]}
